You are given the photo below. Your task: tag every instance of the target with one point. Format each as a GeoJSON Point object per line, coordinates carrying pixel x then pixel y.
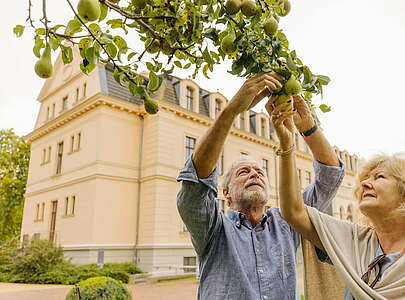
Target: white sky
{"type": "Point", "coordinates": [359, 44]}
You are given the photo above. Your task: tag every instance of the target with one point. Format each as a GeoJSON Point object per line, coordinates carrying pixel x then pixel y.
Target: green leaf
{"type": "Point", "coordinates": [178, 64]}
{"type": "Point", "coordinates": [104, 12]}
{"type": "Point", "coordinates": [150, 66]}
{"type": "Point", "coordinates": [67, 55]}
{"type": "Point", "coordinates": [207, 56]}
{"type": "Point", "coordinates": [54, 43]}
{"type": "Point", "coordinates": [40, 31]}
{"type": "Point", "coordinates": [95, 29]}
{"type": "Point", "coordinates": [90, 55]}
{"type": "Point", "coordinates": [132, 54]}
{"type": "Point", "coordinates": [322, 79]}
{"type": "Point", "coordinates": [154, 82]}
{"type": "Point", "coordinates": [19, 30]}
{"type": "Point", "coordinates": [324, 108]}
{"type": "Point", "coordinates": [39, 44]}
{"type": "Point", "coordinates": [111, 49]}
{"type": "Point", "coordinates": [120, 42]}
{"type": "Point", "coordinates": [205, 71]}
{"type": "Point", "coordinates": [73, 27]}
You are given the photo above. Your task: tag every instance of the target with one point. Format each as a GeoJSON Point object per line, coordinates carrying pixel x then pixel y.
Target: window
{"type": "Point", "coordinates": [47, 113]}
{"type": "Point", "coordinates": [53, 110]}
{"type": "Point", "coordinates": [37, 212]}
{"type": "Point", "coordinates": [42, 210]}
{"type": "Point", "coordinates": [49, 153]}
{"type": "Point", "coordinates": [59, 159]}
{"type": "Point", "coordinates": [190, 145]}
{"type": "Point", "coordinates": [263, 127]}
{"type": "Point", "coordinates": [218, 107]}
{"type": "Point", "coordinates": [297, 141]}
{"type": "Point", "coordinates": [299, 171]}
{"type": "Point", "coordinates": [64, 103]}
{"type": "Point", "coordinates": [66, 206]}
{"type": "Point", "coordinates": [79, 136]}
{"type": "Point", "coordinates": [221, 205]}
{"type": "Point", "coordinates": [43, 155]}
{"type": "Point", "coordinates": [242, 121]}
{"type": "Point", "coordinates": [77, 95]}
{"type": "Point", "coordinates": [36, 236]}
{"type": "Point", "coordinates": [244, 155]}
{"type": "Point", "coordinates": [349, 213]}
{"type": "Point", "coordinates": [25, 239]}
{"type": "Point", "coordinates": [307, 179]}
{"type": "Point", "coordinates": [191, 263]}
{"type": "Point", "coordinates": [341, 212]}
{"type": "Point", "coordinates": [72, 143]}
{"type": "Point", "coordinates": [351, 163]}
{"type": "Point", "coordinates": [265, 166]}
{"type": "Point", "coordinates": [72, 207]}
{"type": "Point", "coordinates": [84, 90]}
{"type": "Point", "coordinates": [189, 98]}
{"type": "Point", "coordinates": [220, 164]}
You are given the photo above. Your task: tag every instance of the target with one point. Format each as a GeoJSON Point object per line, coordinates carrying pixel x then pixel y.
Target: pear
{"type": "Point", "coordinates": [43, 67]}
{"type": "Point", "coordinates": [292, 86]}
{"type": "Point", "coordinates": [227, 44]}
{"type": "Point", "coordinates": [153, 46]}
{"type": "Point", "coordinates": [285, 7]}
{"type": "Point", "coordinates": [150, 105]}
{"type": "Point", "coordinates": [140, 4]}
{"type": "Point", "coordinates": [232, 6]}
{"type": "Point", "coordinates": [270, 26]}
{"type": "Point", "coordinates": [89, 9]}
{"type": "Point", "coordinates": [248, 8]}
{"type": "Point", "coordinates": [283, 98]}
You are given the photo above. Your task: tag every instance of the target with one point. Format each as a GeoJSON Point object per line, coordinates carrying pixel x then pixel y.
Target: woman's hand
{"type": "Point", "coordinates": [282, 122]}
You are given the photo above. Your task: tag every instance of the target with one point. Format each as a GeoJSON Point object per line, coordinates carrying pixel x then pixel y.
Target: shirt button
{"type": "Point", "coordinates": [261, 272]}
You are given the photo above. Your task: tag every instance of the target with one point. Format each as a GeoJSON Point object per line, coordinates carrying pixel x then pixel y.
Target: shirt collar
{"type": "Point", "coordinates": [240, 218]}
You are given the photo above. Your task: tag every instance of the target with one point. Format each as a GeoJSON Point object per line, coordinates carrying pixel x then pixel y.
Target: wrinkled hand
{"type": "Point", "coordinates": [302, 116]}
{"type": "Point", "coordinates": [282, 122]}
{"type": "Point", "coordinates": [254, 90]}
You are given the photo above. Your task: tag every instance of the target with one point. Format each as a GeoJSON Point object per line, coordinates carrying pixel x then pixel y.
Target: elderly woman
{"type": "Point", "coordinates": [370, 259]}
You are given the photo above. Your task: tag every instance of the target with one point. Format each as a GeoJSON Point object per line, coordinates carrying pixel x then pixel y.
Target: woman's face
{"type": "Point", "coordinates": [380, 193]}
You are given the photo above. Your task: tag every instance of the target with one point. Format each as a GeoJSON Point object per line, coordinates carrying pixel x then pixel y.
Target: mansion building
{"type": "Point", "coordinates": [102, 173]}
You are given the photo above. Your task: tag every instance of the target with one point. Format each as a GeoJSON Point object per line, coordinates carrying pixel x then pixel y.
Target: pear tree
{"type": "Point", "coordinates": [195, 35]}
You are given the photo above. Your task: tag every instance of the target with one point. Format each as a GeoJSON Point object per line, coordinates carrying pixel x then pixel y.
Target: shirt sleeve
{"type": "Point", "coordinates": [197, 206]}
{"type": "Point", "coordinates": [328, 179]}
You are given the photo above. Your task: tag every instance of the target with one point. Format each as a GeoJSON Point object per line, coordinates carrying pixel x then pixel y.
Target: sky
{"type": "Point", "coordinates": [359, 44]}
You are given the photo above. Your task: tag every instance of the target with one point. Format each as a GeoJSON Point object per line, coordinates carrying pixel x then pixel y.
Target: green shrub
{"type": "Point", "coordinates": [100, 288]}
{"type": "Point", "coordinates": [126, 267]}
{"type": "Point", "coordinates": [117, 275]}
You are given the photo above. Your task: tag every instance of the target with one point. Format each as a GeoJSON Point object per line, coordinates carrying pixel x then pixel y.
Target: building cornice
{"type": "Point", "coordinates": [82, 107]}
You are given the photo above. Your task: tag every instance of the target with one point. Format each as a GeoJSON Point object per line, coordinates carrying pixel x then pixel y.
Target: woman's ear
{"type": "Point", "coordinates": [227, 196]}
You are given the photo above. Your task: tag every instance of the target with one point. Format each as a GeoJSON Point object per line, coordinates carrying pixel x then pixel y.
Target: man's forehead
{"type": "Point", "coordinates": [248, 163]}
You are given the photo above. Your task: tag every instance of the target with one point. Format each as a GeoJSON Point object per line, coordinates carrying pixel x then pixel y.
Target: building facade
{"type": "Point", "coordinates": [102, 174]}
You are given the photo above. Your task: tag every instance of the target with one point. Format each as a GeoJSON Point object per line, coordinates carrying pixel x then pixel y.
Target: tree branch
{"type": "Point", "coordinates": [29, 14]}
{"type": "Point", "coordinates": [134, 16]}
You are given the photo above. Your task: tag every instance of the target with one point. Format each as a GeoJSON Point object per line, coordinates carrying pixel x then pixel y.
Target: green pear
{"type": "Point", "coordinates": [150, 105]}
{"type": "Point", "coordinates": [285, 7]}
{"type": "Point", "coordinates": [283, 98]}
{"type": "Point", "coordinates": [227, 44]}
{"type": "Point", "coordinates": [292, 86]}
{"type": "Point", "coordinates": [153, 46]}
{"type": "Point", "coordinates": [43, 67]}
{"type": "Point", "coordinates": [270, 26]}
{"type": "Point", "coordinates": [140, 4]}
{"type": "Point", "coordinates": [232, 6]}
{"type": "Point", "coordinates": [248, 8]}
{"type": "Point", "coordinates": [89, 9]}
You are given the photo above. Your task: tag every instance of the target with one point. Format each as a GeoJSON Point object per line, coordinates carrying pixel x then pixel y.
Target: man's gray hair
{"type": "Point", "coordinates": [228, 174]}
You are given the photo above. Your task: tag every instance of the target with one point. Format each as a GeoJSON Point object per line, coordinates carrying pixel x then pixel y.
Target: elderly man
{"type": "Point", "coordinates": [249, 254]}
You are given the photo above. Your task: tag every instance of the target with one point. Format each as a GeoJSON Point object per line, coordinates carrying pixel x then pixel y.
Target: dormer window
{"type": "Point", "coordinates": [189, 98]}
{"type": "Point", "coordinates": [263, 127]}
{"type": "Point", "coordinates": [218, 107]}
{"type": "Point", "coordinates": [242, 121]}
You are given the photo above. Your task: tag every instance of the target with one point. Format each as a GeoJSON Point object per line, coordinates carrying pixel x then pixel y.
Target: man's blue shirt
{"type": "Point", "coordinates": [238, 262]}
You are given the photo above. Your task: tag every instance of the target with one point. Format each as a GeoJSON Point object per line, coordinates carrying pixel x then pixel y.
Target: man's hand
{"type": "Point", "coordinates": [254, 90]}
{"type": "Point", "coordinates": [302, 117]}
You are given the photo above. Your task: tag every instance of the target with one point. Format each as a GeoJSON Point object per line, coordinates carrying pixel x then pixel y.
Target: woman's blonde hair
{"type": "Point", "coordinates": [395, 165]}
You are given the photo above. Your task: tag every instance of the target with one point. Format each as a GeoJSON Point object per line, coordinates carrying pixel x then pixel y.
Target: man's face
{"type": "Point", "coordinates": [248, 187]}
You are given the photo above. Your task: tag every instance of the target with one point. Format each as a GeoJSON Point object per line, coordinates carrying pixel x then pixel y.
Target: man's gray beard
{"type": "Point", "coordinates": [250, 199]}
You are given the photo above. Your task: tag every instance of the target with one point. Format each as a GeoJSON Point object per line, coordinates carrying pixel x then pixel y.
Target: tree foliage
{"type": "Point", "coordinates": [178, 34]}
{"type": "Point", "coordinates": [14, 159]}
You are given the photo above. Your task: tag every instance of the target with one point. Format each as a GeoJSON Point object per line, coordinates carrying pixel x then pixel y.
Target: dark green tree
{"type": "Point", "coordinates": [14, 160]}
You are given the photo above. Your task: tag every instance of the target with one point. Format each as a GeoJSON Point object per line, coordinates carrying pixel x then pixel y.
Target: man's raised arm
{"type": "Point", "coordinates": [209, 148]}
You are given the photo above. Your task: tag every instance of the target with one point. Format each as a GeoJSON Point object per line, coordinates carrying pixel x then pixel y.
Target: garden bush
{"type": "Point", "coordinates": [100, 288]}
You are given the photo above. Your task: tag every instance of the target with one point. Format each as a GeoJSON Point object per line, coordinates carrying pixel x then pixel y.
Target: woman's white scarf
{"type": "Point", "coordinates": [351, 248]}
